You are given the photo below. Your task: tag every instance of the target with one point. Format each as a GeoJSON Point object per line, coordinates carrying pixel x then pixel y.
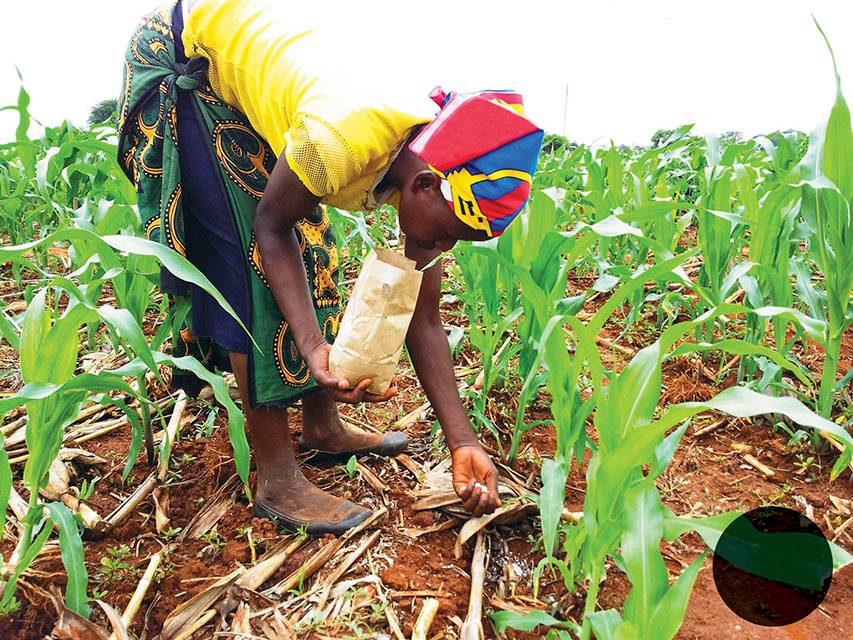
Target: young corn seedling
{"type": "Point", "coordinates": [771, 217]}
{"type": "Point", "coordinates": [483, 300]}
{"type": "Point", "coordinates": [49, 345]}
{"type": "Point", "coordinates": [827, 201]}
{"type": "Point", "coordinates": [622, 510]}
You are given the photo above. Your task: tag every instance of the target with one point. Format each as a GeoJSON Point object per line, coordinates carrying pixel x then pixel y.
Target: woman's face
{"type": "Point", "coordinates": [427, 220]}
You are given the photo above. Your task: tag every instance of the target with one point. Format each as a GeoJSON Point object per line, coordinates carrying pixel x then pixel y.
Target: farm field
{"type": "Point", "coordinates": [661, 342]}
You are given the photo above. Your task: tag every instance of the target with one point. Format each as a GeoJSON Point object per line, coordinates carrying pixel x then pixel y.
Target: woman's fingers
{"type": "Point", "coordinates": [318, 363]}
{"type": "Point", "coordinates": [352, 396]}
{"type": "Point", "coordinates": [330, 381]}
{"type": "Point", "coordinates": [465, 492]}
{"type": "Point", "coordinates": [483, 504]}
{"type": "Point", "coordinates": [474, 499]}
{"type": "Point", "coordinates": [478, 498]}
{"type": "Point", "coordinates": [492, 483]}
{"type": "Point", "coordinates": [374, 397]}
{"type": "Point", "coordinates": [361, 394]}
{"type": "Point", "coordinates": [360, 390]}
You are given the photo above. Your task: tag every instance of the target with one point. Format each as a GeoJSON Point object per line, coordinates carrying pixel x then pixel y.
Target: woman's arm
{"type": "Point", "coordinates": [430, 353]}
{"type": "Point", "coordinates": [285, 201]}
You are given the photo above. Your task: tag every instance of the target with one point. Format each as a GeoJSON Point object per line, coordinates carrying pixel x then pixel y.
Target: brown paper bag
{"type": "Point", "coordinates": [372, 332]}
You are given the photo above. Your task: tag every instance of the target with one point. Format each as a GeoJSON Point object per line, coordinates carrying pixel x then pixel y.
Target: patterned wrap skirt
{"type": "Point", "coordinates": [200, 170]}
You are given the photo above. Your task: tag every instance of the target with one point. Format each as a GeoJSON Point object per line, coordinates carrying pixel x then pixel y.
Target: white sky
{"type": "Point", "coordinates": [630, 66]}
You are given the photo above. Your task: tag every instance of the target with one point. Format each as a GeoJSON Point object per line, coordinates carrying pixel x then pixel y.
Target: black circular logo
{"type": "Point", "coordinates": [772, 566]}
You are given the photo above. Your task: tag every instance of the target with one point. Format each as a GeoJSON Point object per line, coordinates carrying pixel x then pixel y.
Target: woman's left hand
{"type": "Point", "coordinates": [475, 479]}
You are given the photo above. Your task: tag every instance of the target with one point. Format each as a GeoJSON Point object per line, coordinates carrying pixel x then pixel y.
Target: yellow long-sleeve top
{"type": "Point", "coordinates": [316, 96]}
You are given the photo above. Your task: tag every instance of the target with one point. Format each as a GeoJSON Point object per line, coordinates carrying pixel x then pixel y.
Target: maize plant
{"type": "Point", "coordinates": [827, 201]}
{"type": "Point", "coordinates": [48, 343]}
{"type": "Point", "coordinates": [743, 202]}
{"type": "Point", "coordinates": [622, 509]}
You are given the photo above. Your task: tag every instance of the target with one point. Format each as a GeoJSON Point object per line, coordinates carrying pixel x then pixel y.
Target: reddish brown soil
{"type": "Point", "coordinates": [707, 475]}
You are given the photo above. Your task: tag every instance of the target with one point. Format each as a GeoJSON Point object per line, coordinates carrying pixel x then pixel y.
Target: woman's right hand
{"type": "Point", "coordinates": [338, 388]}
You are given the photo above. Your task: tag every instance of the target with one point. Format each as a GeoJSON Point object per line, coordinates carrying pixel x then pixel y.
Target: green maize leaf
{"type": "Point", "coordinates": [807, 291]}
{"type": "Point", "coordinates": [504, 620]}
{"type": "Point", "coordinates": [554, 474]}
{"type": "Point", "coordinates": [641, 554]}
{"type": "Point", "coordinates": [559, 250]}
{"type": "Point", "coordinates": [596, 201]}
{"type": "Point", "coordinates": [23, 110]}
{"type": "Point", "coordinates": [88, 382]}
{"type": "Point", "coordinates": [174, 262]}
{"type": "Point", "coordinates": [838, 145]}
{"type": "Point", "coordinates": [24, 562]}
{"type": "Point", "coordinates": [605, 283]}
{"type": "Point", "coordinates": [846, 379]}
{"type": "Point", "coordinates": [563, 374]}
{"type": "Point", "coordinates": [123, 322]}
{"type": "Point", "coordinates": [615, 176]}
{"type": "Point", "coordinates": [740, 347]}
{"type": "Point", "coordinates": [652, 211]}
{"type": "Point", "coordinates": [779, 556]}
{"type": "Point", "coordinates": [5, 482]}
{"type": "Point", "coordinates": [531, 289]}
{"type": "Point", "coordinates": [587, 351]}
{"type": "Point", "coordinates": [60, 346]}
{"type": "Point", "coordinates": [744, 403]}
{"type": "Point", "coordinates": [815, 329]}
{"type": "Point", "coordinates": [46, 421]}
{"type": "Point", "coordinates": [569, 306]}
{"type": "Point", "coordinates": [611, 227]}
{"type": "Point", "coordinates": [669, 612]}
{"type": "Point", "coordinates": [627, 631]}
{"type": "Point", "coordinates": [10, 331]}
{"type": "Point", "coordinates": [712, 527]}
{"type": "Point", "coordinates": [659, 271]}
{"type": "Point", "coordinates": [752, 290]}
{"type": "Point", "coordinates": [632, 397]}
{"type": "Point", "coordinates": [551, 561]}
{"type": "Point", "coordinates": [50, 408]}
{"type": "Point", "coordinates": [454, 338]}
{"type": "Point", "coordinates": [665, 450]}
{"type": "Point", "coordinates": [556, 243]}
{"type": "Point", "coordinates": [71, 550]}
{"type": "Point", "coordinates": [34, 326]}
{"type": "Point", "coordinates": [637, 448]}
{"type": "Point", "coordinates": [748, 197]}
{"type": "Point", "coordinates": [605, 624]}
{"type": "Point", "coordinates": [135, 431]}
{"type": "Point", "coordinates": [733, 276]}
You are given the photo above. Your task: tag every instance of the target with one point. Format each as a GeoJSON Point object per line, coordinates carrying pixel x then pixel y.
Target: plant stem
{"type": "Point", "coordinates": [827, 379]}
{"type": "Point", "coordinates": [591, 598]}
{"type": "Point", "coordinates": [145, 414]}
{"type": "Point", "coordinates": [513, 449]}
{"type": "Point", "coordinates": [27, 533]}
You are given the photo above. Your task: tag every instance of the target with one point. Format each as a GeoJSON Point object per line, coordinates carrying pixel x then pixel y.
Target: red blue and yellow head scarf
{"type": "Point", "coordinates": [485, 151]}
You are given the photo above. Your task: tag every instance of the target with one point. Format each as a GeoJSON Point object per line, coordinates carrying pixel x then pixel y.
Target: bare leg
{"type": "Point", "coordinates": [281, 484]}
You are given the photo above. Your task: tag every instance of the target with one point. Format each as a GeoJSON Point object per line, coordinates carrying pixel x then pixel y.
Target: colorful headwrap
{"type": "Point", "coordinates": [485, 151]}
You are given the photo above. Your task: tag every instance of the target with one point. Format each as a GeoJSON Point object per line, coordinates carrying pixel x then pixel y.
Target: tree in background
{"type": "Point", "coordinates": [103, 111]}
{"type": "Point", "coordinates": [660, 136]}
{"type": "Point", "coordinates": [554, 141]}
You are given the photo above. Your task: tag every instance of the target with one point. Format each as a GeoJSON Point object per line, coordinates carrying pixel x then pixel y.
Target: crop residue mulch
{"type": "Point", "coordinates": [707, 475]}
